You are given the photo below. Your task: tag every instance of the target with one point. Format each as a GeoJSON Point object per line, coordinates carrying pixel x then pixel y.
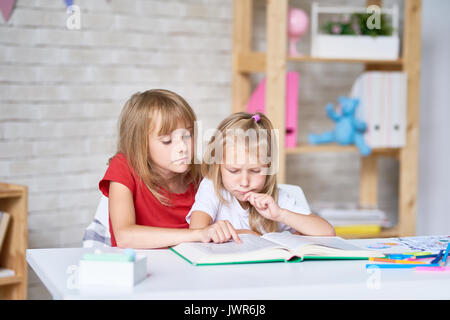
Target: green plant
{"type": "Point", "coordinates": [356, 24]}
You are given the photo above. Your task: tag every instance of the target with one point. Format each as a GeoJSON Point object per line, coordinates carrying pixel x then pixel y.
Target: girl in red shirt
{"type": "Point", "coordinates": [152, 180]}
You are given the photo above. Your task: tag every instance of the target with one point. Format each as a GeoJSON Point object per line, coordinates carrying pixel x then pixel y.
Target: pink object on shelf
{"type": "Point", "coordinates": [257, 103]}
{"type": "Point", "coordinates": [297, 25]}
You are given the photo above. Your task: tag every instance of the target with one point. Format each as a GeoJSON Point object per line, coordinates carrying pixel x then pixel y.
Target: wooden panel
{"type": "Point", "coordinates": [378, 3]}
{"type": "Point", "coordinates": [276, 74]}
{"type": "Point", "coordinates": [8, 191]}
{"type": "Point", "coordinates": [409, 154]}
{"type": "Point", "coordinates": [368, 184]}
{"type": "Point", "coordinates": [384, 67]}
{"type": "Point", "coordinates": [251, 62]}
{"type": "Point", "coordinates": [242, 35]}
{"type": "Point", "coordinates": [397, 63]}
{"type": "Point", "coordinates": [333, 147]}
{"type": "Point", "coordinates": [247, 62]}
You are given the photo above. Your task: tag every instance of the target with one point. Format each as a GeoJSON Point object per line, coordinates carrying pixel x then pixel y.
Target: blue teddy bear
{"type": "Point", "coordinates": [348, 129]}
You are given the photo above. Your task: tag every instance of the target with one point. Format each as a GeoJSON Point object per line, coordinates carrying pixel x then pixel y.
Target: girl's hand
{"type": "Point", "coordinates": [219, 232]}
{"type": "Point", "coordinates": [265, 205]}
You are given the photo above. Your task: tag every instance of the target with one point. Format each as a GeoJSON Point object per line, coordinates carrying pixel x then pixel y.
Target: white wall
{"type": "Point", "coordinates": [61, 92]}
{"type": "Point", "coordinates": [434, 159]}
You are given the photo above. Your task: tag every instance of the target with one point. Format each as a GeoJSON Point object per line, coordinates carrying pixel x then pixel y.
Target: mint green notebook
{"type": "Point", "coordinates": [271, 247]}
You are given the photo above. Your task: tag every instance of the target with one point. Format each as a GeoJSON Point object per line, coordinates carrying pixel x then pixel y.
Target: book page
{"type": "Point", "coordinates": [249, 243]}
{"type": "Point", "coordinates": [295, 242]}
{"type": "Point", "coordinates": [252, 248]}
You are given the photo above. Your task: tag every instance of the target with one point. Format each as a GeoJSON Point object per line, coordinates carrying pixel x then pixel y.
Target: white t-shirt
{"type": "Point", "coordinates": [289, 197]}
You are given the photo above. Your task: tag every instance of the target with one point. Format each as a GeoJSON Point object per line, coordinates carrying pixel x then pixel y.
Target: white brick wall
{"type": "Point", "coordinates": [61, 92]}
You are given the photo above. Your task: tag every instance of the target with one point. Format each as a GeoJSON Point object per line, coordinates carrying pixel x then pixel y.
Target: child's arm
{"type": "Point", "coordinates": [221, 231]}
{"type": "Point", "coordinates": [310, 225]}
{"type": "Point", "coordinates": [130, 235]}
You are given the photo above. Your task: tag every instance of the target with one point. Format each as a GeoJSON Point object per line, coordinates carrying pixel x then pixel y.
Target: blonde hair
{"type": "Point", "coordinates": [211, 169]}
{"type": "Point", "coordinates": [137, 119]}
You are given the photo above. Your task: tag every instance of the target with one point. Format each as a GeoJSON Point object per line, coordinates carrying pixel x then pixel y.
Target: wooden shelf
{"type": "Point", "coordinates": [273, 63]}
{"type": "Point", "coordinates": [9, 191]}
{"type": "Point", "coordinates": [14, 200]}
{"type": "Point", "coordinates": [307, 148]}
{"type": "Point", "coordinates": [5, 281]}
{"type": "Point", "coordinates": [397, 62]}
{"type": "Point", "coordinates": [252, 61]}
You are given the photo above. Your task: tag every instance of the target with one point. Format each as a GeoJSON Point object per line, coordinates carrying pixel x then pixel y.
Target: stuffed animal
{"type": "Point", "coordinates": [348, 129]}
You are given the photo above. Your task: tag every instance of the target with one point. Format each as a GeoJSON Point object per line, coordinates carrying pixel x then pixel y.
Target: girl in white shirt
{"type": "Point", "coordinates": [239, 193]}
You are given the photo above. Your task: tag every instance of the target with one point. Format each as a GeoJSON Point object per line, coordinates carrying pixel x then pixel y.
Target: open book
{"type": "Point", "coordinates": [271, 247]}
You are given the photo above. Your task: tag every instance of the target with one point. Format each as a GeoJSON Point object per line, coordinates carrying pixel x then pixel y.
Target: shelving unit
{"type": "Point", "coordinates": [273, 64]}
{"type": "Point", "coordinates": [14, 200]}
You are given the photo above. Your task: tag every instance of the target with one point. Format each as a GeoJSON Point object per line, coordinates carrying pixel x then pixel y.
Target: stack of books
{"type": "Point", "coordinates": [355, 222]}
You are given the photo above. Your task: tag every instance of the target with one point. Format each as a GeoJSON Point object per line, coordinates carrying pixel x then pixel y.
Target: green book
{"type": "Point", "coordinates": [271, 247]}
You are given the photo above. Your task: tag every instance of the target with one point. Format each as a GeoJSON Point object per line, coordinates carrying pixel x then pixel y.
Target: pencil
{"type": "Point", "coordinates": [439, 256]}
{"type": "Point", "coordinates": [444, 260]}
{"type": "Point", "coordinates": [398, 265]}
{"type": "Point", "coordinates": [396, 261]}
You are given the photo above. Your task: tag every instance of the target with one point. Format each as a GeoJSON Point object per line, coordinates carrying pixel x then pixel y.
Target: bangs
{"type": "Point", "coordinates": [252, 146]}
{"type": "Point", "coordinates": [170, 116]}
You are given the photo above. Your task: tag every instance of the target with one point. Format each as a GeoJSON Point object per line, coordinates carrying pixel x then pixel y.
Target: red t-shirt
{"type": "Point", "coordinates": [149, 211]}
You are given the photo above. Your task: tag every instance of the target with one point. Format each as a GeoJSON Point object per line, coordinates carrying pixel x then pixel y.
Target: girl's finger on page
{"type": "Point", "coordinates": [233, 232]}
{"type": "Point", "coordinates": [226, 231]}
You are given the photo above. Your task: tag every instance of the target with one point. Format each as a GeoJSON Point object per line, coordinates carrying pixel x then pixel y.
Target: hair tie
{"type": "Point", "coordinates": [256, 117]}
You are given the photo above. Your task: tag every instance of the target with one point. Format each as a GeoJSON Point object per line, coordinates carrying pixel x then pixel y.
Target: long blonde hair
{"type": "Point", "coordinates": [211, 169]}
{"type": "Point", "coordinates": [138, 119]}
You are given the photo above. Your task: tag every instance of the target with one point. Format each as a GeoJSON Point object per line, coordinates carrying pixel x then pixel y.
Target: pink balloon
{"type": "Point", "coordinates": [298, 23]}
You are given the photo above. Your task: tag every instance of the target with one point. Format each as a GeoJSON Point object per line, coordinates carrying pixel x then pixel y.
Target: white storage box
{"type": "Point", "coordinates": [362, 47]}
{"type": "Point", "coordinates": [112, 273]}
{"type": "Point", "coordinates": [356, 47]}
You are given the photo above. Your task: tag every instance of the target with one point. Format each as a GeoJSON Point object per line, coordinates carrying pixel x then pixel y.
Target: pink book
{"type": "Point", "coordinates": [257, 103]}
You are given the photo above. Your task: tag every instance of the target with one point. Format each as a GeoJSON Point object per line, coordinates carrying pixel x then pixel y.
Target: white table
{"type": "Point", "coordinates": [170, 277]}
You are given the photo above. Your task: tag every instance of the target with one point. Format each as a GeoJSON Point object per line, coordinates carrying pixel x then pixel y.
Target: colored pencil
{"type": "Point", "coordinates": [433, 269]}
{"type": "Point", "coordinates": [396, 261]}
{"type": "Point", "coordinates": [439, 256]}
{"type": "Point", "coordinates": [398, 265]}
{"type": "Point", "coordinates": [444, 260]}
